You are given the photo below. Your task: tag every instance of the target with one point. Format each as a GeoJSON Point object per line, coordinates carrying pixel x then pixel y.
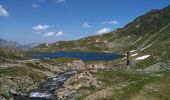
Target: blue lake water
{"type": "Point", "coordinates": [85, 56]}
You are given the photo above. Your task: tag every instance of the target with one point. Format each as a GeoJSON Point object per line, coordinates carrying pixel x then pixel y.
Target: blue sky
{"type": "Point", "coordinates": [30, 21]}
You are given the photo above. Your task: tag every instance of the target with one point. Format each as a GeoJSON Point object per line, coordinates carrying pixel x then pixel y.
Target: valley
{"type": "Point", "coordinates": [146, 39]}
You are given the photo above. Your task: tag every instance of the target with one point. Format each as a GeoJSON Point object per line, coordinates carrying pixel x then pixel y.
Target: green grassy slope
{"type": "Point", "coordinates": [151, 29]}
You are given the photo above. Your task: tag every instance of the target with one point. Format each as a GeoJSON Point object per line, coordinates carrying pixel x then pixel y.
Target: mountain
{"type": "Point", "coordinates": [147, 38]}
{"type": "Point", "coordinates": [15, 45]}
{"type": "Point", "coordinates": [4, 43]}
{"type": "Point", "coordinates": [148, 34]}
{"type": "Point", "coordinates": [13, 50]}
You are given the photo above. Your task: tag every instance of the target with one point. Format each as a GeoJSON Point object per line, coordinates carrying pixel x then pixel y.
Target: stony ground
{"type": "Point", "coordinates": [151, 83]}
{"type": "Point", "coordinates": [20, 76]}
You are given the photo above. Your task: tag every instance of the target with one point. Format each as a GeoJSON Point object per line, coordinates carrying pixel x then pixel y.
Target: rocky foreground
{"type": "Point", "coordinates": [19, 77]}
{"type": "Point", "coordinates": [95, 81]}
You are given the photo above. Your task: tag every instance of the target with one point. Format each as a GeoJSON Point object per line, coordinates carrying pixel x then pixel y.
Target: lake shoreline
{"type": "Point", "coordinates": [85, 56]}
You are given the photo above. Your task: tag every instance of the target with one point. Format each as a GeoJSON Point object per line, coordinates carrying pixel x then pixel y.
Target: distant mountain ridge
{"type": "Point", "coordinates": [15, 45]}
{"type": "Point", "coordinates": [148, 34]}
{"type": "Point", "coordinates": [143, 26]}
{"type": "Point", "coordinates": [14, 50]}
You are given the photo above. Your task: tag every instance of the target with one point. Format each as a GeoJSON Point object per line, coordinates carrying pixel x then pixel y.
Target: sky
{"type": "Point", "coordinates": [48, 21]}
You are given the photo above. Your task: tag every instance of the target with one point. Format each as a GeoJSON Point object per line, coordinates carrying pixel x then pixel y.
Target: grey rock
{"type": "Point", "coordinates": [160, 66]}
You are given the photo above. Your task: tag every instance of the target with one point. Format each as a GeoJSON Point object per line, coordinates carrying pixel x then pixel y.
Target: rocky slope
{"type": "Point", "coordinates": [20, 76]}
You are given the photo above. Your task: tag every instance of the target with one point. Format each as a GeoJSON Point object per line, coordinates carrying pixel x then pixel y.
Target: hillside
{"type": "Point", "coordinates": [147, 38]}
{"type": "Point", "coordinates": [148, 34]}
{"type": "Point", "coordinates": [13, 50]}
{"type": "Point", "coordinates": [15, 45]}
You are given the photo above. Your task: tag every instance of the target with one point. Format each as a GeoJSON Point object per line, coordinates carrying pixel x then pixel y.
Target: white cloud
{"type": "Point", "coordinates": [40, 27]}
{"type": "Point", "coordinates": [60, 1]}
{"type": "Point", "coordinates": [3, 12]}
{"type": "Point", "coordinates": [35, 6]}
{"type": "Point", "coordinates": [59, 33]}
{"type": "Point", "coordinates": [86, 25]}
{"type": "Point", "coordinates": [103, 30]}
{"type": "Point", "coordinates": [49, 34]}
{"type": "Point", "coordinates": [113, 22]}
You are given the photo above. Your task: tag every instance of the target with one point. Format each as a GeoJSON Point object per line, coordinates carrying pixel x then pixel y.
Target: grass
{"type": "Point", "coordinates": [73, 83]}
{"type": "Point", "coordinates": [57, 61]}
{"type": "Point", "coordinates": [12, 54]}
{"type": "Point", "coordinates": [159, 88]}
{"type": "Point", "coordinates": [159, 51]}
{"type": "Point", "coordinates": [133, 88]}
{"type": "Point", "coordinates": [112, 77]}
{"type": "Point", "coordinates": [145, 63]}
{"type": "Point", "coordinates": [91, 89]}
{"type": "Point", "coordinates": [36, 65]}
{"type": "Point", "coordinates": [65, 60]}
{"type": "Point", "coordinates": [137, 82]}
{"type": "Point", "coordinates": [19, 71]}
{"type": "Point", "coordinates": [6, 95]}
{"type": "Point", "coordinates": [22, 71]}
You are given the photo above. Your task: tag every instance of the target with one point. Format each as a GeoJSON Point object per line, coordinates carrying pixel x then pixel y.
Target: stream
{"type": "Point", "coordinates": [45, 90]}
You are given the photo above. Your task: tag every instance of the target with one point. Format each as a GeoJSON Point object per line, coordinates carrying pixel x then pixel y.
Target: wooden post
{"type": "Point", "coordinates": [128, 60]}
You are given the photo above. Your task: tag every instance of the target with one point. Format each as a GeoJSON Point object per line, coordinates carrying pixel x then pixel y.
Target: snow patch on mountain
{"type": "Point", "coordinates": [143, 57]}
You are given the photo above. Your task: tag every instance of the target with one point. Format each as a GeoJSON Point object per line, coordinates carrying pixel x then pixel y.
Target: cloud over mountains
{"type": "Point", "coordinates": [103, 30]}
{"type": "Point", "coordinates": [57, 34]}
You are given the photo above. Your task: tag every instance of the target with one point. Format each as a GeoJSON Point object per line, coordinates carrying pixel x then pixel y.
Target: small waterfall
{"type": "Point", "coordinates": [46, 89]}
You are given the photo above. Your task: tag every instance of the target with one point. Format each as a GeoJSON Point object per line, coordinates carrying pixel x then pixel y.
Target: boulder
{"type": "Point", "coordinates": [90, 66]}
{"type": "Point", "coordinates": [74, 84]}
{"type": "Point", "coordinates": [77, 86]}
{"type": "Point", "coordinates": [76, 64]}
{"type": "Point", "coordinates": [94, 71]}
{"type": "Point", "coordinates": [59, 94]}
{"type": "Point", "coordinates": [85, 79]}
{"type": "Point", "coordinates": [64, 94]}
{"type": "Point", "coordinates": [99, 66]}
{"type": "Point", "coordinates": [14, 93]}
